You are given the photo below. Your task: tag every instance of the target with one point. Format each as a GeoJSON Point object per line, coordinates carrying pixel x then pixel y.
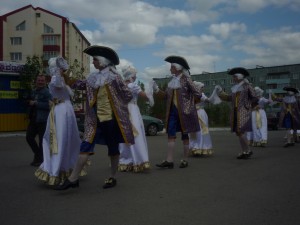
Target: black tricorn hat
{"type": "Point", "coordinates": [240, 70]}
{"type": "Point", "coordinates": [291, 89]}
{"type": "Point", "coordinates": [96, 50]}
{"type": "Point", "coordinates": [179, 60]}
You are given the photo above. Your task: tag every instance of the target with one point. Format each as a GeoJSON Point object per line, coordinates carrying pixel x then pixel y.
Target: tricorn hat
{"type": "Point", "coordinates": [179, 60]}
{"type": "Point", "coordinates": [96, 50]}
{"type": "Point", "coordinates": [240, 70]}
{"type": "Point", "coordinates": [291, 89]}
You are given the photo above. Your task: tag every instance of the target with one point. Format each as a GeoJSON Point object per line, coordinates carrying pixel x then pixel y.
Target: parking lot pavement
{"type": "Point", "coordinates": [218, 190]}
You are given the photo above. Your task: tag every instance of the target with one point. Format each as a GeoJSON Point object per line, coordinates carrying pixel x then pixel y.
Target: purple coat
{"type": "Point", "coordinates": [119, 96]}
{"type": "Point", "coordinates": [185, 102]}
{"type": "Point", "coordinates": [242, 101]}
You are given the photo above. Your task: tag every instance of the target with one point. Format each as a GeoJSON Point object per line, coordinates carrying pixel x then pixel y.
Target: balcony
{"type": "Point", "coordinates": [51, 48]}
{"type": "Point", "coordinates": [279, 81]}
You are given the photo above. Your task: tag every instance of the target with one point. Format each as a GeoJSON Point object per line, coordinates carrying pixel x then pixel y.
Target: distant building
{"type": "Point", "coordinates": [272, 78]}
{"type": "Point", "coordinates": [32, 31]}
{"type": "Point", "coordinates": [26, 32]}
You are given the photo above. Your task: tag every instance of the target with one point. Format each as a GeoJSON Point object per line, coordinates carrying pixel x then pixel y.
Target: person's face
{"type": "Point", "coordinates": [96, 63]}
{"type": "Point", "coordinates": [235, 79]}
{"type": "Point", "coordinates": [174, 71]}
{"type": "Point", "coordinates": [133, 78]}
{"type": "Point", "coordinates": [40, 81]}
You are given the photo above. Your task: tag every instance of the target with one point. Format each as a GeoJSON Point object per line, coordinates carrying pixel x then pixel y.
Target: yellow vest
{"type": "Point", "coordinates": [104, 110]}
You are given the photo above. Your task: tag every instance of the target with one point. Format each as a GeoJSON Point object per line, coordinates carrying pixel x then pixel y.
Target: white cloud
{"type": "Point", "coordinates": [226, 29]}
{"type": "Point", "coordinates": [271, 47]}
{"type": "Point", "coordinates": [192, 29]}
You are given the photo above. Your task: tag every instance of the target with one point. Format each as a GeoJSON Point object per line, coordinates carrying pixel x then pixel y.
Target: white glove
{"type": "Point", "coordinates": [130, 85]}
{"type": "Point", "coordinates": [218, 88]}
{"type": "Point", "coordinates": [134, 87]}
{"type": "Point", "coordinates": [155, 87]}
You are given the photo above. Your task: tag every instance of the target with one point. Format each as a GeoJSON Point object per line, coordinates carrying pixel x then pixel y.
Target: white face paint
{"type": "Point", "coordinates": [290, 93]}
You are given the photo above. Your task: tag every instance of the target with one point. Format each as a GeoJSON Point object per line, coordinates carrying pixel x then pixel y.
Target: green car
{"type": "Point", "coordinates": [152, 125]}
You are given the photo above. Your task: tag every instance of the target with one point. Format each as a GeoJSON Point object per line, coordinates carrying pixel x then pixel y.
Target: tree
{"type": "Point", "coordinates": [32, 68]}
{"type": "Point", "coordinates": [76, 71]}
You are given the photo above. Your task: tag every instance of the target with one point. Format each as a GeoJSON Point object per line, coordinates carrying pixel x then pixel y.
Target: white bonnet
{"type": "Point", "coordinates": [199, 84]}
{"type": "Point", "coordinates": [129, 72]}
{"type": "Point", "coordinates": [258, 91]}
{"type": "Point", "coordinates": [57, 63]}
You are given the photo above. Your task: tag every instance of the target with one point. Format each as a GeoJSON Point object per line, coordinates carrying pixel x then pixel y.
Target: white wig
{"type": "Point", "coordinates": [180, 67]}
{"type": "Point", "coordinates": [103, 61]}
{"type": "Point", "coordinates": [239, 76]}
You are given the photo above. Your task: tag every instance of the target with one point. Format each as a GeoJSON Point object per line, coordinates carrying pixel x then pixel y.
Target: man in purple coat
{"type": "Point", "coordinates": [181, 113]}
{"type": "Point", "coordinates": [242, 99]}
{"type": "Point", "coordinates": [107, 118]}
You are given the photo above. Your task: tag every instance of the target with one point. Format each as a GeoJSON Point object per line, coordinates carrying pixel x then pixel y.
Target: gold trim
{"type": "Point", "coordinates": [115, 113]}
{"type": "Point", "coordinates": [134, 168]}
{"type": "Point", "coordinates": [202, 152]}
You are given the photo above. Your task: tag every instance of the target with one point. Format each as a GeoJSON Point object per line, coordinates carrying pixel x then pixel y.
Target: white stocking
{"type": "Point", "coordinates": [170, 153]}
{"type": "Point", "coordinates": [81, 161]}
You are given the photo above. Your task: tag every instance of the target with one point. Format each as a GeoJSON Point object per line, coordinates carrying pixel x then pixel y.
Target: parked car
{"type": "Point", "coordinates": [152, 125]}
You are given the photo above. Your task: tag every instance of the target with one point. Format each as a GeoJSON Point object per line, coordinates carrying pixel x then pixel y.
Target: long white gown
{"type": "Point", "coordinates": [260, 123]}
{"type": "Point", "coordinates": [200, 142]}
{"type": "Point", "coordinates": [58, 166]}
{"type": "Point", "coordinates": [135, 157]}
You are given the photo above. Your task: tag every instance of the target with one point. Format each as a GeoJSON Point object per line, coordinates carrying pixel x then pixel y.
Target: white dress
{"type": "Point", "coordinates": [135, 157]}
{"type": "Point", "coordinates": [200, 142]}
{"type": "Point", "coordinates": [57, 166]}
{"type": "Point", "coordinates": [260, 123]}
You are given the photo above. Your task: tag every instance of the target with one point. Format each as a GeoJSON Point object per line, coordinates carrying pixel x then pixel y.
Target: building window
{"type": "Point", "coordinates": [16, 56]}
{"type": "Point", "coordinates": [51, 40]}
{"type": "Point", "coordinates": [48, 29]}
{"type": "Point", "coordinates": [21, 26]}
{"type": "Point", "coordinates": [213, 82]}
{"type": "Point", "coordinates": [16, 40]}
{"type": "Point", "coordinates": [295, 76]}
{"type": "Point", "coordinates": [49, 54]}
{"type": "Point", "coordinates": [38, 15]}
{"type": "Point", "coordinates": [223, 82]}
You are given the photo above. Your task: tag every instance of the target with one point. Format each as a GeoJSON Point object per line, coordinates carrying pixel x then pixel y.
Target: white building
{"type": "Point", "coordinates": [32, 31]}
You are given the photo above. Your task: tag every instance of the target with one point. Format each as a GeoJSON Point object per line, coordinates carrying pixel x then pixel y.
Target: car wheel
{"type": "Point", "coordinates": [152, 130]}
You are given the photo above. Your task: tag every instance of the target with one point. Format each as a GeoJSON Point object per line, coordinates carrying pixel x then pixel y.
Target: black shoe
{"type": "Point", "coordinates": [250, 153]}
{"type": "Point", "coordinates": [243, 156]}
{"type": "Point", "coordinates": [66, 185]}
{"type": "Point", "coordinates": [109, 183]}
{"type": "Point", "coordinates": [166, 164]}
{"type": "Point", "coordinates": [183, 164]}
{"type": "Point", "coordinates": [288, 144]}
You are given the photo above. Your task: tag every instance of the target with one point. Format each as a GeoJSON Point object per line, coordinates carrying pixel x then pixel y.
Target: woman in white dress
{"type": "Point", "coordinates": [134, 157]}
{"type": "Point", "coordinates": [259, 120]}
{"type": "Point", "coordinates": [200, 142]}
{"type": "Point", "coordinates": [61, 140]}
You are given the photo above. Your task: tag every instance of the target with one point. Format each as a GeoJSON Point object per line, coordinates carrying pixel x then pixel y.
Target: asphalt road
{"type": "Point", "coordinates": [220, 190]}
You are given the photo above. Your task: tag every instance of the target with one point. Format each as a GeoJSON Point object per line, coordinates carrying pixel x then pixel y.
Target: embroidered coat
{"type": "Point", "coordinates": [119, 96]}
{"type": "Point", "coordinates": [185, 102]}
{"type": "Point", "coordinates": [241, 101]}
{"type": "Point", "coordinates": [293, 108]}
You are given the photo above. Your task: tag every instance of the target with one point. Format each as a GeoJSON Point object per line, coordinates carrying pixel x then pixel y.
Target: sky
{"type": "Point", "coordinates": [212, 35]}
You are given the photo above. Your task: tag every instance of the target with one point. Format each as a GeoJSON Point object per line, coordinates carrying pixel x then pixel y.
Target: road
{"type": "Point", "coordinates": [219, 190]}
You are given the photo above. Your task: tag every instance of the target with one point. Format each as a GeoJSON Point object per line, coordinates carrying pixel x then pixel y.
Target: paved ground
{"type": "Point", "coordinates": [219, 190]}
